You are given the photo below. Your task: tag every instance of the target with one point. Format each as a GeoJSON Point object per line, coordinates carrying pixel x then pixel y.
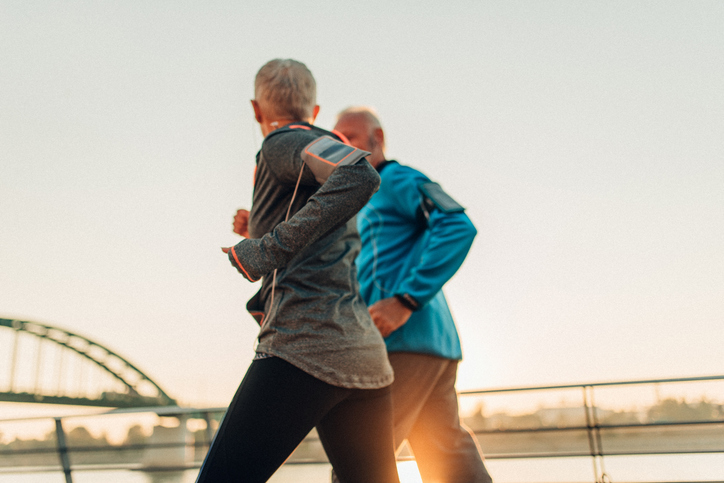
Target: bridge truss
{"type": "Point", "coordinates": [44, 364]}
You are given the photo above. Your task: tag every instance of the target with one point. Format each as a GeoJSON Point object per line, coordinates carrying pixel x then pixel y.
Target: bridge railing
{"type": "Point", "coordinates": [603, 422]}
{"type": "Point", "coordinates": [595, 422]}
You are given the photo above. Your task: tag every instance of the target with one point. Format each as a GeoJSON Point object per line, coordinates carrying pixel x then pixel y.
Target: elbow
{"type": "Point", "coordinates": [361, 178]}
{"type": "Point", "coordinates": [374, 180]}
{"type": "Point", "coordinates": [468, 229]}
{"type": "Point", "coordinates": [370, 182]}
{"type": "Point", "coordinates": [472, 231]}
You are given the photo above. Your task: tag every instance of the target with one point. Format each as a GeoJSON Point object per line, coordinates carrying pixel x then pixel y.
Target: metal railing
{"type": "Point", "coordinates": [672, 422]}
{"type": "Point", "coordinates": [645, 417]}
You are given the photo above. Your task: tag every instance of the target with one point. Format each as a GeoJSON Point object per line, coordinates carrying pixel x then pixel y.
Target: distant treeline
{"type": "Point", "coordinates": [665, 411]}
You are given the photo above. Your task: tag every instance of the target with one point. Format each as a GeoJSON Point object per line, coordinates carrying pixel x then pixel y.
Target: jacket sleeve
{"type": "Point", "coordinates": [449, 237]}
{"type": "Point", "coordinates": [343, 194]}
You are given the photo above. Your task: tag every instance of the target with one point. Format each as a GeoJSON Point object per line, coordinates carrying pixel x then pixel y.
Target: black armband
{"type": "Point", "coordinates": [433, 197]}
{"type": "Point", "coordinates": [324, 155]}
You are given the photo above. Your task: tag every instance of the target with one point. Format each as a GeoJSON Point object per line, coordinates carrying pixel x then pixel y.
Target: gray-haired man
{"type": "Point", "coordinates": [319, 361]}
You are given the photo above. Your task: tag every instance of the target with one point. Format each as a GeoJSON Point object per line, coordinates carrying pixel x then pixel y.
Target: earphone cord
{"type": "Point", "coordinates": [286, 218]}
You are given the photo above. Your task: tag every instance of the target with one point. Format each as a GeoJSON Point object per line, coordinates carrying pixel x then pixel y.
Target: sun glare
{"type": "Point", "coordinates": [408, 472]}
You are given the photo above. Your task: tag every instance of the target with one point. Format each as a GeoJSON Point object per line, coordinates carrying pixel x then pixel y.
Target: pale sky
{"type": "Point", "coordinates": [585, 139]}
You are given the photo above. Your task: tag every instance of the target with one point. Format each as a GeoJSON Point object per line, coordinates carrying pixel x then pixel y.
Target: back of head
{"type": "Point", "coordinates": [287, 88]}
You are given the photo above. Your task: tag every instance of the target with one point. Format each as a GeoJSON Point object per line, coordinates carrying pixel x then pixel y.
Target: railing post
{"type": "Point", "coordinates": [594, 435]}
{"type": "Point", "coordinates": [597, 432]}
{"type": "Point", "coordinates": [209, 429]}
{"type": "Point", "coordinates": [63, 450]}
{"type": "Point", "coordinates": [589, 431]}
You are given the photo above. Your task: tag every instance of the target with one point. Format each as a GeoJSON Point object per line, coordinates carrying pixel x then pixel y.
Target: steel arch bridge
{"type": "Point", "coordinates": [44, 364]}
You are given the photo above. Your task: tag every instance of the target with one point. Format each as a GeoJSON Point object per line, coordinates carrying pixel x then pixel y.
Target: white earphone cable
{"type": "Point", "coordinates": [286, 218]}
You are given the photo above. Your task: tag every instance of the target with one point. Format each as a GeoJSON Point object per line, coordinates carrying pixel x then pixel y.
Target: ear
{"type": "Point", "coordinates": [379, 136]}
{"type": "Point", "coordinates": [257, 111]}
{"type": "Point", "coordinates": [315, 112]}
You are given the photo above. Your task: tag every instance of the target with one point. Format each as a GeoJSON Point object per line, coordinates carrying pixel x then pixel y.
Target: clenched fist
{"type": "Point", "coordinates": [241, 223]}
{"type": "Point", "coordinates": [389, 315]}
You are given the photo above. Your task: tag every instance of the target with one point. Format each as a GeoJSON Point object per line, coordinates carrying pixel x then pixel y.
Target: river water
{"type": "Point", "coordinates": [664, 468]}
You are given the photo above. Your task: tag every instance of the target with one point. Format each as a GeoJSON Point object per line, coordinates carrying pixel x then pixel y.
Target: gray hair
{"type": "Point", "coordinates": [288, 87]}
{"type": "Point", "coordinates": [368, 113]}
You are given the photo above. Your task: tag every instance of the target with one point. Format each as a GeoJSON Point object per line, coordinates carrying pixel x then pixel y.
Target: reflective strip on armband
{"type": "Point", "coordinates": [324, 155]}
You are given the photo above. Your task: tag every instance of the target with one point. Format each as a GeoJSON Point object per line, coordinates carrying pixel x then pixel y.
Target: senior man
{"type": "Point", "coordinates": [414, 239]}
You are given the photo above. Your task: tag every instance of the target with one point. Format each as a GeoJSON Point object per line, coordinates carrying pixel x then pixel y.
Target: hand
{"type": "Point", "coordinates": [236, 263]}
{"type": "Point", "coordinates": [241, 223]}
{"type": "Point", "coordinates": [389, 315]}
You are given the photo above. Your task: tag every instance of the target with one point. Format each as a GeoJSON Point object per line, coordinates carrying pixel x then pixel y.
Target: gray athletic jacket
{"type": "Point", "coordinates": [318, 321]}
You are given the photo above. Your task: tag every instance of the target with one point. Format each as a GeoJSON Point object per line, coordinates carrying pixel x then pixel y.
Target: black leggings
{"type": "Point", "coordinates": [277, 405]}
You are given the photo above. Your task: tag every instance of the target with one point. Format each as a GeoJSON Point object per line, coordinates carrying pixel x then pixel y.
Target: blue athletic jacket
{"type": "Point", "coordinates": [411, 250]}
